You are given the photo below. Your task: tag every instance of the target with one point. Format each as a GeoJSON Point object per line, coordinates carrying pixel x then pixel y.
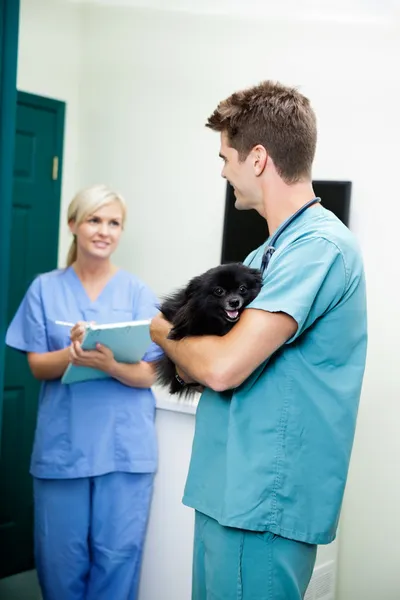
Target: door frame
{"type": "Point", "coordinates": [9, 23]}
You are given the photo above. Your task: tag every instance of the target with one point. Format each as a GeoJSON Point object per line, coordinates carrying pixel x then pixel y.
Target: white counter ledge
{"type": "Point", "coordinates": [166, 401]}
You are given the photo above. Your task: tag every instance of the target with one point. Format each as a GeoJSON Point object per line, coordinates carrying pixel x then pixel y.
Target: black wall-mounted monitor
{"type": "Point", "coordinates": [245, 230]}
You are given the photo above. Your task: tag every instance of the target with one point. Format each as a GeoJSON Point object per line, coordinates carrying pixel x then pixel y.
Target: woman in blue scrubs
{"type": "Point", "coordinates": [95, 452]}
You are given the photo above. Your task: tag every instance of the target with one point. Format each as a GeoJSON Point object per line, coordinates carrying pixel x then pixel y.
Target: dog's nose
{"type": "Point", "coordinates": [234, 303]}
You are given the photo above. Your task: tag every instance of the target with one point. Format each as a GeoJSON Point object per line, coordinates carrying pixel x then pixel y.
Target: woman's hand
{"type": "Point", "coordinates": [77, 332]}
{"type": "Point", "coordinates": [141, 374]}
{"type": "Point", "coordinates": [102, 358]}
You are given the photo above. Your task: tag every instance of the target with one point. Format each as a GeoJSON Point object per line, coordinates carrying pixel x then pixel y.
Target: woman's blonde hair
{"type": "Point", "coordinates": [86, 202]}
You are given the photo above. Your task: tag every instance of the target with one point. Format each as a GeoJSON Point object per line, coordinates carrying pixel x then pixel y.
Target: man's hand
{"type": "Point", "coordinates": [159, 329]}
{"type": "Point", "coordinates": [184, 376]}
{"type": "Point", "coordinates": [102, 358]}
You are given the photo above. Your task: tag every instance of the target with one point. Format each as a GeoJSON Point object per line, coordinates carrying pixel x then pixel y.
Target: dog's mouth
{"type": "Point", "coordinates": [232, 315]}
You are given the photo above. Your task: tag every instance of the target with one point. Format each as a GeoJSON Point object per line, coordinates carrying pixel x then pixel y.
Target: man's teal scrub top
{"type": "Point", "coordinates": [273, 454]}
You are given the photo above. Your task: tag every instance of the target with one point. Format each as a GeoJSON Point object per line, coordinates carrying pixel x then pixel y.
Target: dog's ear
{"type": "Point", "coordinates": [181, 324]}
{"type": "Point", "coordinates": [256, 275]}
{"type": "Point", "coordinates": [193, 287]}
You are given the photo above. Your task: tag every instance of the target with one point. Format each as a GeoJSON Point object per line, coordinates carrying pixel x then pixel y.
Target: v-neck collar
{"type": "Point", "coordinates": [308, 215]}
{"type": "Point", "coordinates": [86, 300]}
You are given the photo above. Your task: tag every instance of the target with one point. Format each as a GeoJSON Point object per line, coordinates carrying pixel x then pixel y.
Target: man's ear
{"type": "Point", "coordinates": [260, 159]}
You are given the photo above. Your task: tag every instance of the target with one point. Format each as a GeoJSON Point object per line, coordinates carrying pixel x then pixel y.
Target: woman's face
{"type": "Point", "coordinates": [98, 234]}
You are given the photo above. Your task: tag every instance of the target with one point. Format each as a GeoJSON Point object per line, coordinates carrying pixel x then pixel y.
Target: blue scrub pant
{"type": "Point", "coordinates": [236, 564]}
{"type": "Point", "coordinates": [89, 535]}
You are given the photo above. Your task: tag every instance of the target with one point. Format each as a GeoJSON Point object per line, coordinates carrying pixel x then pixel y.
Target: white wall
{"type": "Point", "coordinates": [148, 80]}
{"type": "Point", "coordinates": [49, 57]}
{"type": "Point", "coordinates": [163, 74]}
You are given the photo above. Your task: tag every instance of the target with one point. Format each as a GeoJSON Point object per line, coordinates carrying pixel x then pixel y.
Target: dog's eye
{"type": "Point", "coordinates": [218, 291]}
{"type": "Point", "coordinates": [242, 289]}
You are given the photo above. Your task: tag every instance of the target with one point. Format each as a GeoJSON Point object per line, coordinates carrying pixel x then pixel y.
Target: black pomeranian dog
{"type": "Point", "coordinates": [210, 304]}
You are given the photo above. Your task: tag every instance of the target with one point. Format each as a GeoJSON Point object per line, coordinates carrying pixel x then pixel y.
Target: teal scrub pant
{"type": "Point", "coordinates": [236, 564]}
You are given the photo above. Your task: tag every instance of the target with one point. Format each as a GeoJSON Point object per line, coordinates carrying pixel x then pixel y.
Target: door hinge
{"type": "Point", "coordinates": [55, 168]}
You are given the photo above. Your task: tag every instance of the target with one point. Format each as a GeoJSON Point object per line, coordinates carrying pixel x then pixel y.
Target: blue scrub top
{"type": "Point", "coordinates": [95, 427]}
{"type": "Point", "coordinates": [273, 454]}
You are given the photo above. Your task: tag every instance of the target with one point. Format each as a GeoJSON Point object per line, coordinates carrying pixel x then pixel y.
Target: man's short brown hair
{"type": "Point", "coordinates": [275, 116]}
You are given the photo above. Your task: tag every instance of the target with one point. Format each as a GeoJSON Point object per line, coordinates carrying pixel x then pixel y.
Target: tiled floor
{"type": "Point", "coordinates": [20, 587]}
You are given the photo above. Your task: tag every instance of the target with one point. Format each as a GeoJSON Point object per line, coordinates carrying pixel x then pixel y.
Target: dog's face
{"type": "Point", "coordinates": [223, 292]}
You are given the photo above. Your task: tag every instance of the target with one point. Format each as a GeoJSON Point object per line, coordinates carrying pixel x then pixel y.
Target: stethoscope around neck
{"type": "Point", "coordinates": [270, 249]}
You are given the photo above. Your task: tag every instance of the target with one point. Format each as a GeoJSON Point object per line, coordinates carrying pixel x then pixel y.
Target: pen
{"type": "Point", "coordinates": [65, 323]}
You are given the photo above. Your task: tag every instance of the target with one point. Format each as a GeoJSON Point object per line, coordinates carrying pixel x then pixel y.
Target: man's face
{"type": "Point", "coordinates": [240, 175]}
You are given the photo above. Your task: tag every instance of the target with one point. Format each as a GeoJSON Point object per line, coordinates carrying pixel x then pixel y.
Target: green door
{"type": "Point", "coordinates": [34, 250]}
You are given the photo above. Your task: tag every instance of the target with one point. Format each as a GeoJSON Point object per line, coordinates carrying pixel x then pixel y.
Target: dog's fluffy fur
{"type": "Point", "coordinates": [210, 304]}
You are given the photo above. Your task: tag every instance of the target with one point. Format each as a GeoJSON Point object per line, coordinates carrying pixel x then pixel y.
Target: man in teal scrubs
{"type": "Point", "coordinates": [275, 424]}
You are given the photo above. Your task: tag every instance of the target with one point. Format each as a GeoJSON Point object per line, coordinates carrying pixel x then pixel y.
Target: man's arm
{"type": "Point", "coordinates": [304, 281]}
{"type": "Point", "coordinates": [221, 363]}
